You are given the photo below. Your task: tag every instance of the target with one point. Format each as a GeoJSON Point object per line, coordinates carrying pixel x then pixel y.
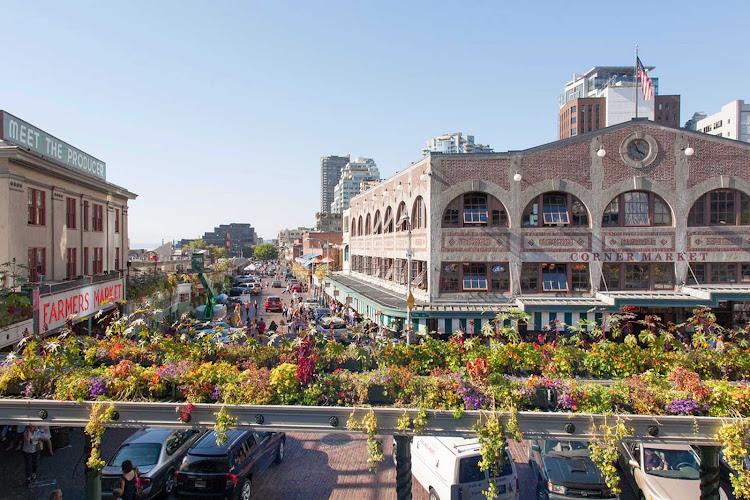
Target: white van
{"type": "Point", "coordinates": [448, 468]}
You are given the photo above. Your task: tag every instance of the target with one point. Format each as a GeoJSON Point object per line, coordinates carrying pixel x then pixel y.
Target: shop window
{"type": "Point", "coordinates": [637, 208]}
{"type": "Point", "coordinates": [529, 277]}
{"type": "Point", "coordinates": [71, 257]}
{"type": "Point", "coordinates": [554, 277]}
{"type": "Point", "coordinates": [698, 274]}
{"type": "Point", "coordinates": [419, 214]}
{"type": "Point", "coordinates": [359, 226]}
{"type": "Point", "coordinates": [388, 221]}
{"type": "Point", "coordinates": [636, 277]}
{"type": "Point", "coordinates": [723, 273]}
{"type": "Point", "coordinates": [354, 228]}
{"type": "Point", "coordinates": [37, 204]}
{"type": "Point", "coordinates": [721, 207]}
{"type": "Point", "coordinates": [610, 277]}
{"type": "Point", "coordinates": [745, 273]}
{"type": "Point", "coordinates": [400, 212]}
{"type": "Point", "coordinates": [555, 209]}
{"type": "Point", "coordinates": [579, 277]}
{"type": "Point", "coordinates": [368, 227]}
{"type": "Point", "coordinates": [474, 277]}
{"type": "Point", "coordinates": [663, 277]}
{"type": "Point", "coordinates": [449, 280]}
{"type": "Point", "coordinates": [499, 278]}
{"type": "Point", "coordinates": [377, 224]}
{"type": "Point", "coordinates": [475, 209]}
{"type": "Point", "coordinates": [37, 264]}
{"type": "Point", "coordinates": [70, 213]}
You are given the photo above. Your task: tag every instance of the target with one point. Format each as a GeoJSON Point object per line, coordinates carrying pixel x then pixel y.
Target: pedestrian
{"type": "Point", "coordinates": [286, 290]}
{"type": "Point", "coordinates": [272, 327]}
{"type": "Point", "coordinates": [256, 307]}
{"type": "Point", "coordinates": [127, 488]}
{"type": "Point", "coordinates": [45, 437]}
{"type": "Point", "coordinates": [30, 452]}
{"type": "Point", "coordinates": [247, 309]}
{"type": "Point", "coordinates": [55, 495]}
{"type": "Point", "coordinates": [261, 327]}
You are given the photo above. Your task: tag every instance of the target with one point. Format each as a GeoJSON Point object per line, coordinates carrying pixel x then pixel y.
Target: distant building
{"type": "Point", "coordinates": [733, 121]}
{"type": "Point", "coordinates": [330, 173]}
{"type": "Point", "coordinates": [454, 143]}
{"type": "Point", "coordinates": [605, 96]}
{"type": "Point", "coordinates": [288, 236]}
{"type": "Point", "coordinates": [328, 222]}
{"type": "Point", "coordinates": [349, 185]}
{"type": "Point", "coordinates": [234, 237]}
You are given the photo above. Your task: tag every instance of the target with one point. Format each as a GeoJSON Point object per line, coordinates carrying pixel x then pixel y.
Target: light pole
{"type": "Point", "coordinates": [409, 299]}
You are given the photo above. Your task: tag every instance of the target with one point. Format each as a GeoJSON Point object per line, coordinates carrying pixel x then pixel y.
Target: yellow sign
{"type": "Point", "coordinates": [410, 301]}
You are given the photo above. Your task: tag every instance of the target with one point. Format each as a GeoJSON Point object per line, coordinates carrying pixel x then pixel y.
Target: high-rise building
{"type": "Point", "coordinates": [234, 237]}
{"type": "Point", "coordinates": [330, 173]}
{"type": "Point", "coordinates": [453, 143]}
{"type": "Point", "coordinates": [606, 95]}
{"type": "Point", "coordinates": [358, 170]}
{"type": "Point", "coordinates": [733, 121]}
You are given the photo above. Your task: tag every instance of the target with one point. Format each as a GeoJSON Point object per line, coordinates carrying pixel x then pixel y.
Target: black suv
{"type": "Point", "coordinates": [227, 470]}
{"type": "Point", "coordinates": [565, 471]}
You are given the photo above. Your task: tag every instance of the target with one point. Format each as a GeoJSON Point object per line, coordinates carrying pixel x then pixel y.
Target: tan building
{"type": "Point", "coordinates": [61, 218]}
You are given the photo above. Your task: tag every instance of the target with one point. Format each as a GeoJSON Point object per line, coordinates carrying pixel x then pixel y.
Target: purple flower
{"type": "Point", "coordinates": [28, 390]}
{"type": "Point", "coordinates": [686, 406]}
{"type": "Point", "coordinates": [98, 387]}
{"type": "Point", "coordinates": [216, 393]}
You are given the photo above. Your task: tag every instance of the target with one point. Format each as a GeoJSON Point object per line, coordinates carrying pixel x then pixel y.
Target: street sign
{"type": "Point", "coordinates": [196, 264]}
{"type": "Point", "coordinates": [410, 301]}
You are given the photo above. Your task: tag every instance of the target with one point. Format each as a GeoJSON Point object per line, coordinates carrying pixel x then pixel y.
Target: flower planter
{"type": "Point", "coordinates": [544, 399]}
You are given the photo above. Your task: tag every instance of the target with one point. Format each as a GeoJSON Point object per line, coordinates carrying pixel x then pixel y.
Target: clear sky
{"type": "Point", "coordinates": [216, 112]}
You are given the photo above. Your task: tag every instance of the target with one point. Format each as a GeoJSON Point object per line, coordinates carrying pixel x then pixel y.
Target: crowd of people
{"type": "Point", "coordinates": [30, 440]}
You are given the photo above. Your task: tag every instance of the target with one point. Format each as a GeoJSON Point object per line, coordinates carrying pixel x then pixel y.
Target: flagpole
{"type": "Point", "coordinates": [635, 75]}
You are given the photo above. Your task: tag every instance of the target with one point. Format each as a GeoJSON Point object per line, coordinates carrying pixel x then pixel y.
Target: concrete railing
{"type": "Point", "coordinates": [10, 335]}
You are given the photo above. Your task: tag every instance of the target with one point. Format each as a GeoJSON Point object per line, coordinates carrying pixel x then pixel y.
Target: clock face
{"type": "Point", "coordinates": [638, 149]}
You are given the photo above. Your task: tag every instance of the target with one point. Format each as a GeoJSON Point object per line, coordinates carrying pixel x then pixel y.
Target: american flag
{"type": "Point", "coordinates": [648, 89]}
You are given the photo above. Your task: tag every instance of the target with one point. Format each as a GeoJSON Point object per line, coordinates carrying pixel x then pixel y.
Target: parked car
{"type": "Point", "coordinates": [241, 289]}
{"type": "Point", "coordinates": [448, 468]}
{"type": "Point", "coordinates": [310, 303]}
{"type": "Point", "coordinates": [565, 470]}
{"type": "Point", "coordinates": [157, 453]}
{"type": "Point", "coordinates": [320, 312]}
{"type": "Point", "coordinates": [332, 325]}
{"type": "Point", "coordinates": [217, 328]}
{"type": "Point", "coordinates": [662, 471]}
{"type": "Point", "coordinates": [276, 284]}
{"type": "Point", "coordinates": [228, 470]}
{"type": "Point", "coordinates": [255, 288]}
{"type": "Point", "coordinates": [295, 287]}
{"type": "Point", "coordinates": [273, 303]}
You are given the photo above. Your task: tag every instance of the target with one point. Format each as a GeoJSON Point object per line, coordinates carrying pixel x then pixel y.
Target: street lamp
{"type": "Point", "coordinates": [407, 220]}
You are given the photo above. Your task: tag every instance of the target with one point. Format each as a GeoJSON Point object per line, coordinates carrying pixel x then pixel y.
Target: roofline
{"type": "Point", "coordinates": [18, 154]}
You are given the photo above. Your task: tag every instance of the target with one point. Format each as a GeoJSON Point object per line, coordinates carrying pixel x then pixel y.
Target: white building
{"type": "Point", "coordinates": [358, 170]}
{"type": "Point", "coordinates": [733, 121]}
{"type": "Point", "coordinates": [454, 143]}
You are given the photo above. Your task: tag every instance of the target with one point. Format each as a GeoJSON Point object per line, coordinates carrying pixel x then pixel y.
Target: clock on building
{"type": "Point", "coordinates": [639, 150]}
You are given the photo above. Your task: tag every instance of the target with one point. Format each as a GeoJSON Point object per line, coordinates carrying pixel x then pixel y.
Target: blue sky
{"type": "Point", "coordinates": [216, 112]}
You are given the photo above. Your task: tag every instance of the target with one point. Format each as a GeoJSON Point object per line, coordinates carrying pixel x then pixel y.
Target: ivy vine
{"type": "Point", "coordinates": [492, 444]}
{"type": "Point", "coordinates": [604, 451]}
{"type": "Point", "coordinates": [224, 421]}
{"type": "Point", "coordinates": [369, 425]}
{"type": "Point", "coordinates": [95, 430]}
{"type": "Point", "coordinates": [733, 437]}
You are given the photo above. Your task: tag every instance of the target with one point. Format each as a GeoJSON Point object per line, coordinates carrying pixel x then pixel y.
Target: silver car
{"type": "Point", "coordinates": [156, 453]}
{"type": "Point", "coordinates": [660, 471]}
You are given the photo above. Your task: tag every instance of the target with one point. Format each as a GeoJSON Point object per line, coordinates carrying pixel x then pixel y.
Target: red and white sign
{"type": "Point", "coordinates": [55, 309]}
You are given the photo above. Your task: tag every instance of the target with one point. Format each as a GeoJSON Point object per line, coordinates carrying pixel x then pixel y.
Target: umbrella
{"type": "Point", "coordinates": [250, 268]}
{"type": "Point", "coordinates": [222, 296]}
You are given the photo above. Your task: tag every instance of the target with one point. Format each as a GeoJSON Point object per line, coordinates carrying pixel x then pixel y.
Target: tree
{"type": "Point", "coordinates": [266, 251]}
{"type": "Point", "coordinates": [199, 244]}
{"type": "Point", "coordinates": [218, 252]}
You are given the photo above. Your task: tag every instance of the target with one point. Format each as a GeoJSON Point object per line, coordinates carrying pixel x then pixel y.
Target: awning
{"type": "Point", "coordinates": [310, 256]}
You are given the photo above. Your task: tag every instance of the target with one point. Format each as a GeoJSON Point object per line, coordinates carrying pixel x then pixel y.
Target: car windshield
{"type": "Point", "coordinates": [141, 454]}
{"type": "Point", "coordinates": [197, 463]}
{"type": "Point", "coordinates": [565, 447]}
{"type": "Point", "coordinates": [675, 464]}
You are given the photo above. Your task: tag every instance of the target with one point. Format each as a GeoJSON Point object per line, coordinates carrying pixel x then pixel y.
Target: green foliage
{"type": "Point", "coordinates": [224, 422]}
{"type": "Point", "coordinates": [604, 451]}
{"type": "Point", "coordinates": [265, 251]}
{"type": "Point", "coordinates": [734, 437]}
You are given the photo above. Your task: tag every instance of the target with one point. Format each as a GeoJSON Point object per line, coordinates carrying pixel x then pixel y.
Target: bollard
{"type": "Point", "coordinates": [709, 472]}
{"type": "Point", "coordinates": [403, 467]}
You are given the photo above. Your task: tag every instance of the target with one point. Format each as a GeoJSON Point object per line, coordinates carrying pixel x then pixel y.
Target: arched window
{"type": "Point", "coordinates": [354, 227]}
{"type": "Point", "coordinates": [368, 227]}
{"type": "Point", "coordinates": [721, 207]}
{"type": "Point", "coordinates": [419, 214]}
{"type": "Point", "coordinates": [637, 208]}
{"type": "Point", "coordinates": [388, 221]}
{"type": "Point", "coordinates": [377, 225]}
{"type": "Point", "coordinates": [359, 226]}
{"type": "Point", "coordinates": [475, 209]}
{"type": "Point", "coordinates": [401, 225]}
{"type": "Point", "coordinates": [555, 209]}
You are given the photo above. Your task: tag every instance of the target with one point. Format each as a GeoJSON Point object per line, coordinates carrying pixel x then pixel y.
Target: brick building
{"type": "Point", "coordinates": [638, 214]}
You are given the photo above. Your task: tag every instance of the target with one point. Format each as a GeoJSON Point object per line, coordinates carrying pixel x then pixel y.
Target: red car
{"type": "Point", "coordinates": [296, 287]}
{"type": "Point", "coordinates": [273, 303]}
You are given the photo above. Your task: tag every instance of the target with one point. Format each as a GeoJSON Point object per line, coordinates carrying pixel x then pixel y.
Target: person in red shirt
{"type": "Point", "coordinates": [261, 326]}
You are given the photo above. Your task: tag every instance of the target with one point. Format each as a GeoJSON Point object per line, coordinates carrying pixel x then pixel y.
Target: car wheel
{"type": "Point", "coordinates": [170, 483]}
{"type": "Point", "coordinates": [280, 452]}
{"type": "Point", "coordinates": [542, 493]}
{"type": "Point", "coordinates": [434, 495]}
{"type": "Point", "coordinates": [247, 489]}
